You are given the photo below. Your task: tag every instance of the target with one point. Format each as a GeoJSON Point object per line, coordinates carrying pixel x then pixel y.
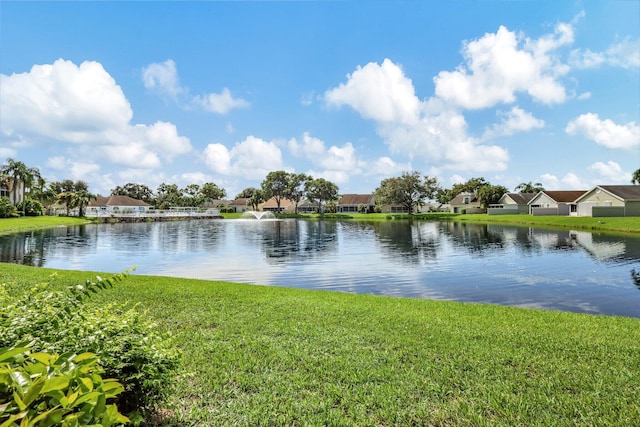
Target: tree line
{"type": "Point", "coordinates": [411, 190]}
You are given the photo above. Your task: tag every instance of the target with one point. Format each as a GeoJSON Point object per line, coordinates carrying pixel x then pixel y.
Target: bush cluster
{"type": "Point", "coordinates": [128, 345]}
{"type": "Point", "coordinates": [7, 210]}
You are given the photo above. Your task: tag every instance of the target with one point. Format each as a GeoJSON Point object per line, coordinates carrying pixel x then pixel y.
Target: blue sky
{"type": "Point", "coordinates": [351, 91]}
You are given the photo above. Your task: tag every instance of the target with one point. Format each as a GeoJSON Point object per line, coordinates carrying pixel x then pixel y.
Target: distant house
{"type": "Point", "coordinates": [307, 206]}
{"type": "Point", "coordinates": [353, 203]}
{"type": "Point", "coordinates": [610, 200]}
{"type": "Point", "coordinates": [107, 205]}
{"type": "Point", "coordinates": [561, 202]}
{"type": "Point", "coordinates": [240, 205]}
{"type": "Point", "coordinates": [511, 204]}
{"type": "Point", "coordinates": [466, 203]}
{"type": "Point", "coordinates": [286, 206]}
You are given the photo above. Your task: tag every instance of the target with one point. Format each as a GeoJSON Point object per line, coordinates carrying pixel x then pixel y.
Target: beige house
{"type": "Point", "coordinates": [286, 206]}
{"type": "Point", "coordinates": [511, 204]}
{"type": "Point", "coordinates": [466, 203]}
{"type": "Point", "coordinates": [610, 200]}
{"type": "Point", "coordinates": [562, 202]}
{"type": "Point", "coordinates": [353, 203]}
{"type": "Point", "coordinates": [240, 205]}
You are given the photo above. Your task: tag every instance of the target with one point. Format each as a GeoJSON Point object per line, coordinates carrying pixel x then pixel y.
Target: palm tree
{"type": "Point", "coordinates": [19, 172]}
{"type": "Point", "coordinates": [81, 199]}
{"type": "Point", "coordinates": [528, 187]}
{"type": "Point", "coordinates": [635, 178]}
{"type": "Point", "coordinates": [67, 199]}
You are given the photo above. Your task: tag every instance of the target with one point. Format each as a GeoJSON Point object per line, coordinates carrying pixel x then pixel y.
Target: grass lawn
{"type": "Point", "coordinates": [16, 225]}
{"type": "Point", "coordinates": [617, 224]}
{"type": "Point", "coordinates": [256, 355]}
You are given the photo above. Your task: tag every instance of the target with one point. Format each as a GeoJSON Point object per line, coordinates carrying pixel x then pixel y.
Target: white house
{"type": "Point", "coordinates": [116, 205]}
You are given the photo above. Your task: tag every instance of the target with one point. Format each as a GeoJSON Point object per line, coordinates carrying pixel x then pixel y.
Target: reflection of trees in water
{"type": "Point", "coordinates": [297, 239]}
{"type": "Point", "coordinates": [177, 236]}
{"type": "Point", "coordinates": [635, 277]}
{"type": "Point", "coordinates": [30, 248]}
{"type": "Point", "coordinates": [475, 238]}
{"type": "Point", "coordinates": [414, 240]}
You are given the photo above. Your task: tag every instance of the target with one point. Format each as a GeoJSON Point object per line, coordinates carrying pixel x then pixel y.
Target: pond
{"type": "Point", "coordinates": [519, 266]}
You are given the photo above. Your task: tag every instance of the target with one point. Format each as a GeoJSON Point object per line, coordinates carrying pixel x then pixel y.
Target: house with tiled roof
{"type": "Point", "coordinates": [356, 203]}
{"type": "Point", "coordinates": [555, 202]}
{"type": "Point", "coordinates": [610, 200]}
{"type": "Point", "coordinates": [107, 205]}
{"type": "Point", "coordinates": [511, 204]}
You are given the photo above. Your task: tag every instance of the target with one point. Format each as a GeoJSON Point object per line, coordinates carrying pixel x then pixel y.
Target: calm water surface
{"type": "Point", "coordinates": [518, 266]}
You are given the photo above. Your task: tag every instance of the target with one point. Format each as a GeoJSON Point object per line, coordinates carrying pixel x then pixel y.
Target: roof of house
{"type": "Point", "coordinates": [563, 196]}
{"type": "Point", "coordinates": [242, 201]}
{"type": "Point", "coordinates": [521, 198]}
{"type": "Point", "coordinates": [625, 192]}
{"type": "Point", "coordinates": [356, 199]}
{"type": "Point", "coordinates": [459, 199]}
{"type": "Point", "coordinates": [116, 201]}
{"type": "Point", "coordinates": [271, 203]}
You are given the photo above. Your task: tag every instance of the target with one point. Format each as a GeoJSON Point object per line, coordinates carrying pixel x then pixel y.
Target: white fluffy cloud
{"type": "Point", "coordinates": [569, 182]}
{"type": "Point", "coordinates": [220, 103]}
{"type": "Point", "coordinates": [610, 172]}
{"type": "Point", "coordinates": [513, 121]}
{"type": "Point", "coordinates": [605, 132]}
{"type": "Point", "coordinates": [430, 130]}
{"type": "Point", "coordinates": [252, 158]}
{"type": "Point", "coordinates": [623, 54]}
{"type": "Point", "coordinates": [162, 77]}
{"type": "Point", "coordinates": [332, 159]}
{"type": "Point", "coordinates": [62, 103]}
{"type": "Point", "coordinates": [499, 65]}
{"type": "Point", "coordinates": [378, 92]}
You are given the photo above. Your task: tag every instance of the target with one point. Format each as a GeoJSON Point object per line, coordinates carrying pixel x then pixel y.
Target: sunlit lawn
{"type": "Point", "coordinates": [256, 355]}
{"type": "Point", "coordinates": [15, 225]}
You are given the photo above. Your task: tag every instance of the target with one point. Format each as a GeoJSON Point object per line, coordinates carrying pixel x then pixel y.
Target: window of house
{"type": "Point", "coordinates": [466, 200]}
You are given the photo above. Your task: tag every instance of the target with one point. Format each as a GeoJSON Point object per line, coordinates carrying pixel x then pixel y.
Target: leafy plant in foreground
{"type": "Point", "coordinates": [45, 390]}
{"type": "Point", "coordinates": [127, 344]}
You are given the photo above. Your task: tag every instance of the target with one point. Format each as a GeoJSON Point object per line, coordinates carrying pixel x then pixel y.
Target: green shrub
{"type": "Point", "coordinates": [46, 389]}
{"type": "Point", "coordinates": [128, 345]}
{"type": "Point", "coordinates": [30, 207]}
{"type": "Point", "coordinates": [7, 210]}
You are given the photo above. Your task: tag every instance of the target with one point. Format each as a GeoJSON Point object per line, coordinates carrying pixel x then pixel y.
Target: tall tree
{"type": "Point", "coordinates": [66, 197]}
{"type": "Point", "coordinates": [276, 185]}
{"type": "Point", "coordinates": [168, 195]}
{"type": "Point", "coordinates": [256, 198]}
{"type": "Point", "coordinates": [528, 187]}
{"type": "Point", "coordinates": [20, 173]}
{"type": "Point", "coordinates": [81, 200]}
{"type": "Point", "coordinates": [409, 190]}
{"type": "Point", "coordinates": [321, 190]}
{"type": "Point", "coordinates": [297, 182]}
{"type": "Point", "coordinates": [135, 191]}
{"type": "Point", "coordinates": [635, 178]}
{"type": "Point", "coordinates": [210, 192]}
{"type": "Point", "coordinates": [489, 194]}
{"type": "Point", "coordinates": [191, 195]}
{"type": "Point", "coordinates": [246, 193]}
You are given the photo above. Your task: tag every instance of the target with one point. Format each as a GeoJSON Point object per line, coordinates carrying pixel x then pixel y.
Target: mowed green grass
{"type": "Point", "coordinates": [264, 356]}
{"type": "Point", "coordinates": [16, 225]}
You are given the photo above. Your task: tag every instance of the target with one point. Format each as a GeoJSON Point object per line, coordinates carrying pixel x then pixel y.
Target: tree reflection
{"type": "Point", "coordinates": [635, 277]}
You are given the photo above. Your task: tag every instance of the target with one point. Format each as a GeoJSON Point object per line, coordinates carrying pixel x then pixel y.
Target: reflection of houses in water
{"type": "Point", "coordinates": [599, 246]}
